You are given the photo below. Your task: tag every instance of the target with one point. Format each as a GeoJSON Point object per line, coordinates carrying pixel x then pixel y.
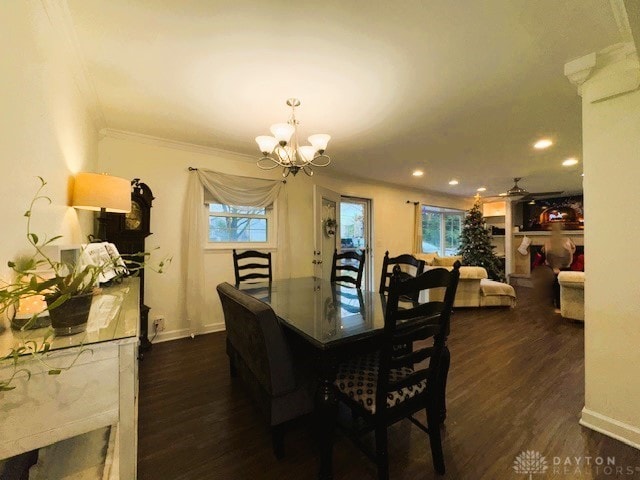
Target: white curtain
{"type": "Point", "coordinates": [230, 190]}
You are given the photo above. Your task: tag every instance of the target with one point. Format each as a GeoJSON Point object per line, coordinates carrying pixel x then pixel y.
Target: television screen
{"type": "Point", "coordinates": [544, 213]}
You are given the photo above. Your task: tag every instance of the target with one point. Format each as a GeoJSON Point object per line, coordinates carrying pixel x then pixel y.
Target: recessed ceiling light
{"type": "Point", "coordinates": [503, 194]}
{"type": "Point", "coordinates": [582, 174]}
{"type": "Point", "coordinates": [542, 144]}
{"type": "Point", "coordinates": [569, 162]}
{"type": "Point", "coordinates": [453, 181]}
{"type": "Point", "coordinates": [482, 189]}
{"type": "Point", "coordinates": [417, 173]}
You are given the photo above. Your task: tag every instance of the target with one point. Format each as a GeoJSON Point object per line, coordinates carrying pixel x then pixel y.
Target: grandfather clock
{"type": "Point", "coordinates": [128, 233]}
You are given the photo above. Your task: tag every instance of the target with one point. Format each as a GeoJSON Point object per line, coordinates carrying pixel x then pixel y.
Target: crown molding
{"type": "Point", "coordinates": [62, 24]}
{"type": "Point", "coordinates": [622, 19]}
{"type": "Point", "coordinates": [173, 144]}
{"type": "Point", "coordinates": [578, 70]}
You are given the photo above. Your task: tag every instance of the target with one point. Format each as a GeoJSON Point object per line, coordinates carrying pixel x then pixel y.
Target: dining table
{"type": "Point", "coordinates": [330, 323]}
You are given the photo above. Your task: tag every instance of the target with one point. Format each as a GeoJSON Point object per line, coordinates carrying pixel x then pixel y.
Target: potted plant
{"type": "Point", "coordinates": [67, 289]}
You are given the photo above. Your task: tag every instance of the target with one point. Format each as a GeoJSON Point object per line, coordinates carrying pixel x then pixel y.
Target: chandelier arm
{"type": "Point", "coordinates": [267, 166]}
{"type": "Point", "coordinates": [326, 161]}
{"type": "Point", "coordinates": [307, 169]}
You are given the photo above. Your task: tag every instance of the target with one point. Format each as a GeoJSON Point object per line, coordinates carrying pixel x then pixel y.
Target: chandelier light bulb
{"type": "Point", "coordinates": [282, 132]}
{"type": "Point", "coordinates": [266, 143]}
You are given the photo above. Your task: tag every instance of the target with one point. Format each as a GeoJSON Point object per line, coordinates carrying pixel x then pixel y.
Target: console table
{"type": "Point", "coordinates": [100, 390]}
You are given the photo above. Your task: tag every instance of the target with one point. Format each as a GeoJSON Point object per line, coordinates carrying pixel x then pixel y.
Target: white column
{"type": "Point", "coordinates": [611, 157]}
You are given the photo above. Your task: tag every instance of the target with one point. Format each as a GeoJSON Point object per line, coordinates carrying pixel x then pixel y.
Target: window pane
{"type": "Point", "coordinates": [351, 225]}
{"type": "Point", "coordinates": [237, 229]}
{"type": "Point", "coordinates": [235, 209]}
{"type": "Point", "coordinates": [453, 229]}
{"type": "Point", "coordinates": [430, 231]}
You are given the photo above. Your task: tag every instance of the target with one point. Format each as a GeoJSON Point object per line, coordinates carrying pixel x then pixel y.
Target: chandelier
{"type": "Point", "coordinates": [282, 149]}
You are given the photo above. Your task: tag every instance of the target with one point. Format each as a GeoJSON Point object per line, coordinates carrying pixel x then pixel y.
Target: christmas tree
{"type": "Point", "coordinates": [475, 244]}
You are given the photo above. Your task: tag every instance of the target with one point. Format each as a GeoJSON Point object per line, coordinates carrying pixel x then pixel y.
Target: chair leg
{"type": "Point", "coordinates": [382, 455]}
{"type": "Point", "coordinates": [277, 437]}
{"type": "Point", "coordinates": [435, 439]}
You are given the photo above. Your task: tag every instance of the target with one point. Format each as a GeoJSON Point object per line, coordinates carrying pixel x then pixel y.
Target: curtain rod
{"type": "Point", "coordinates": [194, 169]}
{"type": "Point", "coordinates": [415, 203]}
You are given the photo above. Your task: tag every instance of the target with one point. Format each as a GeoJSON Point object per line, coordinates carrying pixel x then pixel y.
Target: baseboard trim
{"type": "Point", "coordinates": [186, 332]}
{"type": "Point", "coordinates": [611, 427]}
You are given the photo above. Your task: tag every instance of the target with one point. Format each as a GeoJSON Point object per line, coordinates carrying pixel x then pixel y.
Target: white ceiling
{"type": "Point", "coordinates": [458, 88]}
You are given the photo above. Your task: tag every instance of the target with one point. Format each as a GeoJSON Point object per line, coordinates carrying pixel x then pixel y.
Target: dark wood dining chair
{"type": "Point", "coordinates": [347, 268]}
{"type": "Point", "coordinates": [407, 264]}
{"type": "Point", "coordinates": [391, 384]}
{"type": "Point", "coordinates": [251, 266]}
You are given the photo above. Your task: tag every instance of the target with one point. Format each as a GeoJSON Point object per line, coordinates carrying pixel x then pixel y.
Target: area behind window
{"type": "Point", "coordinates": [441, 228]}
{"type": "Point", "coordinates": [240, 226]}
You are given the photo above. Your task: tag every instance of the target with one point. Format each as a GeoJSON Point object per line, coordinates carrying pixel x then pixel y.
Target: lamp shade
{"type": "Point", "coordinates": [266, 143]}
{"type": "Point", "coordinates": [94, 191]}
{"type": "Point", "coordinates": [282, 131]}
{"type": "Point", "coordinates": [320, 141]}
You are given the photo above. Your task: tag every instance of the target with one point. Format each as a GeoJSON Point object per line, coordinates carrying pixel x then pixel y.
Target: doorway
{"type": "Point", "coordinates": [326, 214]}
{"type": "Point", "coordinates": [355, 232]}
{"type": "Point", "coordinates": [341, 223]}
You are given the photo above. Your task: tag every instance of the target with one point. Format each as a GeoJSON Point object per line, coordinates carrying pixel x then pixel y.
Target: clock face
{"type": "Point", "coordinates": [133, 219]}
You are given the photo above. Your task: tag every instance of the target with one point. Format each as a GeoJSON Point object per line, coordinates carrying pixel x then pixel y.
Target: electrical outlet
{"type": "Point", "coordinates": [158, 323]}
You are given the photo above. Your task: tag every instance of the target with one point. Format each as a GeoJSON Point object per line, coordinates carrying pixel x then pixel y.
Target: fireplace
{"type": "Point", "coordinates": [536, 257]}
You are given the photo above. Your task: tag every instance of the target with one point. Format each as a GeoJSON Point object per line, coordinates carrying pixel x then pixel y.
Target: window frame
{"type": "Point", "coordinates": [442, 212]}
{"type": "Point", "coordinates": [272, 230]}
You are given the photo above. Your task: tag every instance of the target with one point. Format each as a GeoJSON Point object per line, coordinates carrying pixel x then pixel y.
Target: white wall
{"type": "Point", "coordinates": [45, 129]}
{"type": "Point", "coordinates": [611, 138]}
{"type": "Point", "coordinates": [163, 166]}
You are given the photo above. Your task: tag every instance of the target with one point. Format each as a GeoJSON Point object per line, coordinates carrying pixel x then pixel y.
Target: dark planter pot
{"type": "Point", "coordinates": [71, 317]}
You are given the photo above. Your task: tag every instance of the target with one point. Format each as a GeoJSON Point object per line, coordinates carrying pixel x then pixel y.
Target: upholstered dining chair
{"type": "Point", "coordinates": [391, 384]}
{"type": "Point", "coordinates": [409, 265]}
{"type": "Point", "coordinates": [260, 355]}
{"type": "Point", "coordinates": [252, 265]}
{"type": "Point", "coordinates": [347, 268]}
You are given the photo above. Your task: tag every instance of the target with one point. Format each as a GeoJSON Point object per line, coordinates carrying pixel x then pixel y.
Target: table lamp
{"type": "Point", "coordinates": [103, 193]}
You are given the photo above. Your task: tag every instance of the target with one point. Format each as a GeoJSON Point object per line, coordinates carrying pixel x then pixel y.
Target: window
{"type": "Point", "coordinates": [441, 229]}
{"type": "Point", "coordinates": [232, 226]}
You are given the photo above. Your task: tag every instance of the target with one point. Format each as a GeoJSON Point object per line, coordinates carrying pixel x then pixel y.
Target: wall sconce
{"type": "Point", "coordinates": [103, 193]}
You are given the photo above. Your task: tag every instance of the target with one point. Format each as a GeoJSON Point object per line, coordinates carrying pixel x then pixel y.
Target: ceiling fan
{"type": "Point", "coordinates": [518, 191]}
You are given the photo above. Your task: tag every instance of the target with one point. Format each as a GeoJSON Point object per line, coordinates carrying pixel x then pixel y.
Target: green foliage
{"type": "Point", "coordinates": [38, 274]}
{"type": "Point", "coordinates": [475, 244]}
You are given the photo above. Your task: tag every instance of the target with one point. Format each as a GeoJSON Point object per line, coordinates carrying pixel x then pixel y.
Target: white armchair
{"type": "Point", "coordinates": [572, 295]}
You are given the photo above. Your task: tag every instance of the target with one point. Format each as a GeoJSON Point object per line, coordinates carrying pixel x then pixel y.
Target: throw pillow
{"type": "Point", "coordinates": [578, 263]}
{"type": "Point", "coordinates": [427, 257]}
{"type": "Point", "coordinates": [446, 261]}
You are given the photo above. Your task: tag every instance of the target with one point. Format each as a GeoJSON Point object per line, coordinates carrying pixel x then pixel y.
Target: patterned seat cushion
{"type": "Point", "coordinates": [358, 380]}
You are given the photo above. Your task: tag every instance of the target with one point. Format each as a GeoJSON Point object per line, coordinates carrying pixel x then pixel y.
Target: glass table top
{"type": "Point", "coordinates": [114, 315]}
{"type": "Point", "coordinates": [324, 312]}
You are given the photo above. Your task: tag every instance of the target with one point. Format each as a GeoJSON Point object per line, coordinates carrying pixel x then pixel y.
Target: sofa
{"type": "Point", "coordinates": [260, 356]}
{"type": "Point", "coordinates": [571, 295]}
{"type": "Point", "coordinates": [474, 287]}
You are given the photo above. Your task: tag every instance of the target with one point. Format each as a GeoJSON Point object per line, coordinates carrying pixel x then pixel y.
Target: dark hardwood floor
{"type": "Point", "coordinates": [516, 383]}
